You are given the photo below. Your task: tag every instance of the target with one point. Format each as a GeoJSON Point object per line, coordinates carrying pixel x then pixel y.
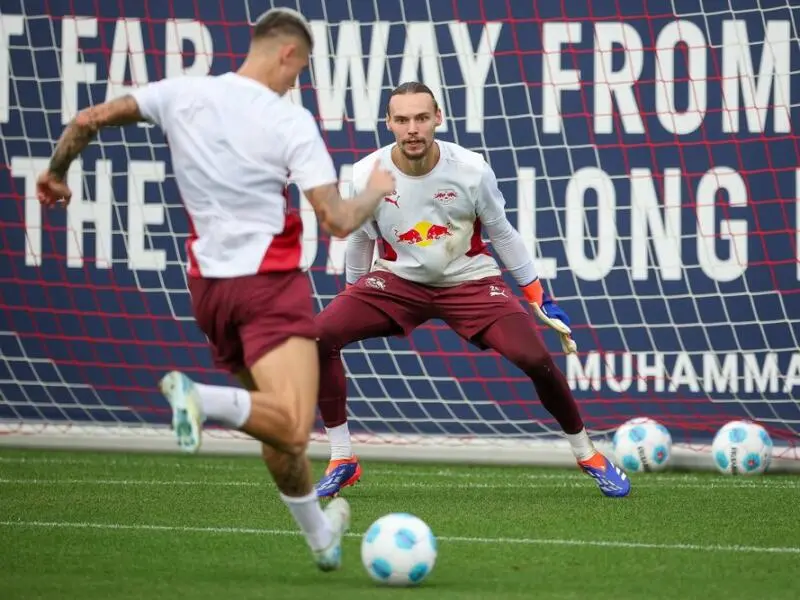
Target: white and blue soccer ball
{"type": "Point", "coordinates": [642, 444]}
{"type": "Point", "coordinates": [399, 549]}
{"type": "Point", "coordinates": [742, 448]}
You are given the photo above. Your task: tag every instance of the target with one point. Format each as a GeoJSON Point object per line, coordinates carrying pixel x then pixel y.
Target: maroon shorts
{"type": "Point", "coordinates": [246, 317]}
{"type": "Point", "coordinates": [468, 308]}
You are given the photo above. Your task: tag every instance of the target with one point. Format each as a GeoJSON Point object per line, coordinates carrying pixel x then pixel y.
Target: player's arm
{"type": "Point", "coordinates": [146, 103]}
{"type": "Point", "coordinates": [51, 187]}
{"type": "Point", "coordinates": [312, 169]}
{"type": "Point", "coordinates": [342, 217]}
{"type": "Point", "coordinates": [361, 243]}
{"type": "Point", "coordinates": [84, 127]}
{"type": "Point", "coordinates": [358, 255]}
{"type": "Point", "coordinates": [511, 250]}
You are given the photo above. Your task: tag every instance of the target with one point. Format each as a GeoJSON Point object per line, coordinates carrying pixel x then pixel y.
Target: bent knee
{"type": "Point", "coordinates": [296, 445]}
{"type": "Point", "coordinates": [291, 443]}
{"type": "Point", "coordinates": [536, 361]}
{"type": "Point", "coordinates": [297, 435]}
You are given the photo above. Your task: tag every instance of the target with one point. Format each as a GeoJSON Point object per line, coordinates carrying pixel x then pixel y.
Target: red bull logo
{"type": "Point", "coordinates": [423, 234]}
{"type": "Point", "coordinates": [445, 196]}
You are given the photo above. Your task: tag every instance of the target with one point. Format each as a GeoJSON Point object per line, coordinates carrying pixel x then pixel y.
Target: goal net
{"type": "Point", "coordinates": [647, 152]}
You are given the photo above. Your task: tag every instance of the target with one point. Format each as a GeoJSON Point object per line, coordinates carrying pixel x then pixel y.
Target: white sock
{"type": "Point", "coordinates": [227, 405]}
{"type": "Point", "coordinates": [308, 514]}
{"type": "Point", "coordinates": [339, 439]}
{"type": "Point", "coordinates": [582, 446]}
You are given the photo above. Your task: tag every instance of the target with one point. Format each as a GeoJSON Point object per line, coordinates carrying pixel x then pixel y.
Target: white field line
{"type": "Point", "coordinates": [456, 539]}
{"type": "Point", "coordinates": [376, 469]}
{"type": "Point", "coordinates": [728, 483]}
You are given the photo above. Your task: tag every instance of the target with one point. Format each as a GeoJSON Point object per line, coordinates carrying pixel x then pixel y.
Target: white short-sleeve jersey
{"type": "Point", "coordinates": [234, 144]}
{"type": "Point", "coordinates": [429, 230]}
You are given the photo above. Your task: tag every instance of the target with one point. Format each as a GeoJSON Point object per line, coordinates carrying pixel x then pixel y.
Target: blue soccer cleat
{"type": "Point", "coordinates": [340, 474]}
{"type": "Point", "coordinates": [611, 480]}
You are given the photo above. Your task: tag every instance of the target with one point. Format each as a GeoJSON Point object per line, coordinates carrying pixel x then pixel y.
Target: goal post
{"type": "Point", "coordinates": [647, 152]}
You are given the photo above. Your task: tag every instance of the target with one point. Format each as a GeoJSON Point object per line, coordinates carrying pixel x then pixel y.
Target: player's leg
{"type": "Point", "coordinates": [486, 313]}
{"type": "Point", "coordinates": [515, 337]}
{"type": "Point", "coordinates": [345, 321]}
{"type": "Point", "coordinates": [274, 414]}
{"type": "Point", "coordinates": [193, 403]}
{"type": "Point", "coordinates": [277, 410]}
{"type": "Point", "coordinates": [244, 319]}
{"type": "Point", "coordinates": [266, 325]}
{"type": "Point", "coordinates": [290, 376]}
{"type": "Point", "coordinates": [291, 471]}
{"type": "Point", "coordinates": [377, 306]}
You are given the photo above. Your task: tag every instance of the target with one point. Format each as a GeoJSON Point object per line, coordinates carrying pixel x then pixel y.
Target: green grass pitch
{"type": "Point", "coordinates": [123, 526]}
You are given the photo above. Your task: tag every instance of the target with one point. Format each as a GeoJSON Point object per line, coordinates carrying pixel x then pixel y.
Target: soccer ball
{"type": "Point", "coordinates": [642, 444]}
{"type": "Point", "coordinates": [742, 448]}
{"type": "Point", "coordinates": [398, 549]}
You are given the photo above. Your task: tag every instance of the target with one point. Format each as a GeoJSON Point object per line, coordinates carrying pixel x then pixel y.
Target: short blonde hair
{"type": "Point", "coordinates": [286, 21]}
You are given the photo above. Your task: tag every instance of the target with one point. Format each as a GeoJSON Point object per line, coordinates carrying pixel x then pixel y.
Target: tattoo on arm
{"type": "Point", "coordinates": [82, 129]}
{"type": "Point", "coordinates": [74, 139]}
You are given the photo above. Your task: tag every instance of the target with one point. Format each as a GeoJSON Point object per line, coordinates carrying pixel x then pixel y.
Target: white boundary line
{"type": "Point", "coordinates": [457, 539]}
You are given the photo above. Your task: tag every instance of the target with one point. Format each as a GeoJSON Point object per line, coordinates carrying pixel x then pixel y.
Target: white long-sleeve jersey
{"type": "Point", "coordinates": [429, 230]}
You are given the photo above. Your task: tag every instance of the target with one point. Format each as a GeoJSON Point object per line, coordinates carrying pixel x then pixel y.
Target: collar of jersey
{"type": "Point", "coordinates": [429, 173]}
{"type": "Point", "coordinates": [250, 82]}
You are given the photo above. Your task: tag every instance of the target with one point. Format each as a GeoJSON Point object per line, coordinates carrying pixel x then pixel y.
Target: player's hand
{"type": "Point", "coordinates": [381, 180]}
{"type": "Point", "coordinates": [550, 314]}
{"type": "Point", "coordinates": [51, 189]}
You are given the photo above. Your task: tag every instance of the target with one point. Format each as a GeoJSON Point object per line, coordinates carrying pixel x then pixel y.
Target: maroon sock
{"type": "Point", "coordinates": [332, 388]}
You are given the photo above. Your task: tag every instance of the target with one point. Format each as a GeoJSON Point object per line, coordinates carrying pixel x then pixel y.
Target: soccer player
{"type": "Point", "coordinates": [235, 139]}
{"type": "Point", "coordinates": [433, 264]}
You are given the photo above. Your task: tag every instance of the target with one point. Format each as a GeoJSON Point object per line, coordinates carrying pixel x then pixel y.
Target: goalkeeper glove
{"type": "Point", "coordinates": [550, 314]}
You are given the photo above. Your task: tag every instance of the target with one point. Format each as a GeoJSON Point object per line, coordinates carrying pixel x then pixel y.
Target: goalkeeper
{"type": "Point", "coordinates": [432, 264]}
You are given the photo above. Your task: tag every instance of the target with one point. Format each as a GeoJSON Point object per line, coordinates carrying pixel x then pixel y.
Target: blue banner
{"type": "Point", "coordinates": [647, 151]}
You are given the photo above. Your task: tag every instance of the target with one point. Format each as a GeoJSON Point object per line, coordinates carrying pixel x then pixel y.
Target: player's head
{"type": "Point", "coordinates": [285, 36]}
{"type": "Point", "coordinates": [412, 115]}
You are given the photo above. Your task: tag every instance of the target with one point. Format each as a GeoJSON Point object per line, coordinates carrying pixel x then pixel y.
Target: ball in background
{"type": "Point", "coordinates": [742, 448]}
{"type": "Point", "coordinates": [642, 444]}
